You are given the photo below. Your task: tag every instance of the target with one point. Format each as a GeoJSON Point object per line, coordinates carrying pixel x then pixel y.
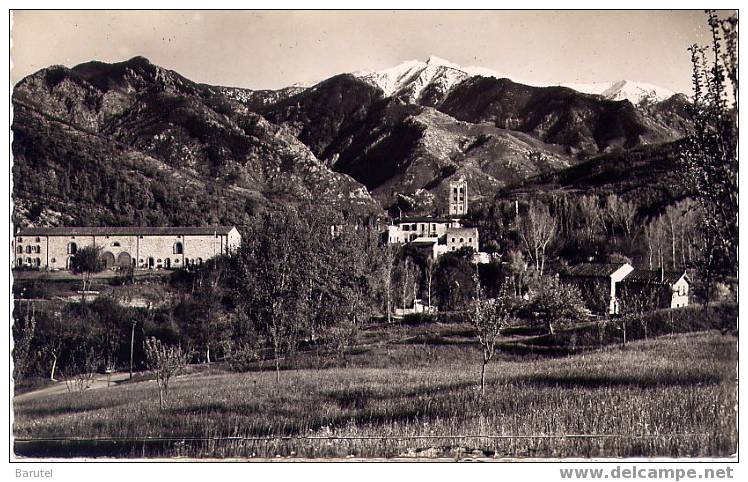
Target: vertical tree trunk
{"type": "Point", "coordinates": [54, 366]}
{"type": "Point", "coordinates": [672, 240]}
{"type": "Point", "coordinates": [389, 308]}
{"type": "Point", "coordinates": [483, 376]}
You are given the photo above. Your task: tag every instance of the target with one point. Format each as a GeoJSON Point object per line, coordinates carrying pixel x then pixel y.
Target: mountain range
{"type": "Point", "coordinates": [135, 143]}
{"type": "Point", "coordinates": [412, 79]}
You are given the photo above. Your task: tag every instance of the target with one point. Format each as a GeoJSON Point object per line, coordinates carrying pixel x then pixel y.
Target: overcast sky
{"type": "Point", "coordinates": [272, 49]}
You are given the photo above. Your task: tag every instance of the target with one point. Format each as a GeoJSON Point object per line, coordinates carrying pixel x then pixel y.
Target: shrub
{"type": "Point", "coordinates": [415, 319]}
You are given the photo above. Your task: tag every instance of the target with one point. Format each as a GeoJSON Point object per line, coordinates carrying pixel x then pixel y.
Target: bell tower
{"type": "Point", "coordinates": [458, 201]}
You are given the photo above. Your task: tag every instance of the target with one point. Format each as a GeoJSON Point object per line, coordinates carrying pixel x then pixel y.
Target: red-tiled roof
{"type": "Point", "coordinates": [123, 230]}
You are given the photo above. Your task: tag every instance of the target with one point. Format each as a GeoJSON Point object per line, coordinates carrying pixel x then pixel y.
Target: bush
{"type": "Point", "coordinates": [415, 319]}
{"type": "Point", "coordinates": [682, 320]}
{"type": "Point", "coordinates": [242, 357]}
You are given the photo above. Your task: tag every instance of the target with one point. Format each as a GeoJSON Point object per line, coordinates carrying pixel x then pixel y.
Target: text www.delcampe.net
{"type": "Point", "coordinates": [634, 472]}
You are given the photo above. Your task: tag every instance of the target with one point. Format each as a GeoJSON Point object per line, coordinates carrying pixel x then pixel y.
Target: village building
{"type": "Point", "coordinates": [598, 282]}
{"type": "Point", "coordinates": [440, 235]}
{"type": "Point", "coordinates": [437, 235]}
{"type": "Point", "coordinates": [615, 287]}
{"type": "Point", "coordinates": [657, 288]}
{"type": "Point", "coordinates": [137, 247]}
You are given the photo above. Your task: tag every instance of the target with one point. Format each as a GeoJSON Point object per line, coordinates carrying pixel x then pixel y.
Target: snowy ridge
{"type": "Point", "coordinates": [410, 80]}
{"type": "Point", "coordinates": [634, 92]}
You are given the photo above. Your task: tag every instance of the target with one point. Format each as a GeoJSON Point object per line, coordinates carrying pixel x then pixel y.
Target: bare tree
{"type": "Point", "coordinates": [386, 274]}
{"type": "Point", "coordinates": [537, 229]}
{"type": "Point", "coordinates": [591, 216]}
{"type": "Point", "coordinates": [488, 317]}
{"type": "Point", "coordinates": [54, 344]}
{"type": "Point", "coordinates": [517, 269]}
{"type": "Point", "coordinates": [655, 234]}
{"type": "Point", "coordinates": [636, 301]}
{"type": "Point", "coordinates": [166, 362]}
{"type": "Point", "coordinates": [406, 280]}
{"type": "Point", "coordinates": [429, 278]}
{"type": "Point", "coordinates": [621, 214]}
{"type": "Point", "coordinates": [80, 373]}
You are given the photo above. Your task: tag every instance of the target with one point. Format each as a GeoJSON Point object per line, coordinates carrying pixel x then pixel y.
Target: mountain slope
{"type": "Point", "coordinates": [358, 142]}
{"type": "Point", "coordinates": [646, 174]}
{"type": "Point", "coordinates": [585, 124]}
{"type": "Point", "coordinates": [398, 149]}
{"type": "Point", "coordinates": [189, 130]}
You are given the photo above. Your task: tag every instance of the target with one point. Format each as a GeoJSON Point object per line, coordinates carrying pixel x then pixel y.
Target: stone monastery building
{"type": "Point", "coordinates": [440, 235]}
{"type": "Point", "coordinates": [139, 247]}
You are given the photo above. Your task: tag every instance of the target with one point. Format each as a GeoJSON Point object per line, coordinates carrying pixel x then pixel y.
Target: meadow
{"type": "Point", "coordinates": [671, 396]}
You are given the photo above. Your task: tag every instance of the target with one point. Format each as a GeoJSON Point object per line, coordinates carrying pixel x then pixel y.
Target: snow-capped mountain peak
{"type": "Point", "coordinates": [412, 79]}
{"type": "Point", "coordinates": [416, 81]}
{"type": "Point", "coordinates": [438, 61]}
{"type": "Point", "coordinates": [635, 92]}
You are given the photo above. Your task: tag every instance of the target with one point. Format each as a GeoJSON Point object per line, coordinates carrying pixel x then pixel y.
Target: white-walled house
{"type": "Point", "coordinates": [622, 285]}
{"type": "Point", "coordinates": [139, 247]}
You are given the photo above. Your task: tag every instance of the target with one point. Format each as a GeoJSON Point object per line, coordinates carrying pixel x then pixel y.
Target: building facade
{"type": "Point", "coordinates": [137, 247]}
{"type": "Point", "coordinates": [438, 235]}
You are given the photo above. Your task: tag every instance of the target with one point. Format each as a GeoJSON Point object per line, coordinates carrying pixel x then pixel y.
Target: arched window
{"type": "Point", "coordinates": [37, 262]}
{"type": "Point", "coordinates": [19, 249]}
{"type": "Point", "coordinates": [72, 248]}
{"type": "Point", "coordinates": [28, 249]}
{"type": "Point", "coordinates": [178, 248]}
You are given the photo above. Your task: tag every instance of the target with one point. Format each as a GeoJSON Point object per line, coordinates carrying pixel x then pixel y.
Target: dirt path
{"type": "Point", "coordinates": [100, 381]}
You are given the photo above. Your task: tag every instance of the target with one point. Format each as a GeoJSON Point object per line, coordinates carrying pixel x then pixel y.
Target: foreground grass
{"type": "Point", "coordinates": [672, 396]}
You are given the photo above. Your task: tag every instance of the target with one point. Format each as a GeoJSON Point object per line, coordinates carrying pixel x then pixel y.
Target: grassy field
{"type": "Point", "coordinates": [672, 396]}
